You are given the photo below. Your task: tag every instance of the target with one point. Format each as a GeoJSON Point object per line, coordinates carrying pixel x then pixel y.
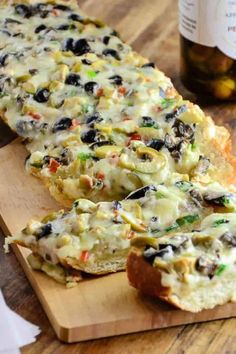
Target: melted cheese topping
{"type": "Point", "coordinates": [100, 120]}
{"type": "Point", "coordinates": [195, 260]}
{"type": "Point", "coordinates": [103, 229]}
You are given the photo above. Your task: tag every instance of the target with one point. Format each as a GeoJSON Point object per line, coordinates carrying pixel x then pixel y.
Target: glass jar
{"type": "Point", "coordinates": [208, 47]}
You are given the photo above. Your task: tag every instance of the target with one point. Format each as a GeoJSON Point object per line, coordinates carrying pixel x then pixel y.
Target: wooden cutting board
{"type": "Point", "coordinates": [98, 307]}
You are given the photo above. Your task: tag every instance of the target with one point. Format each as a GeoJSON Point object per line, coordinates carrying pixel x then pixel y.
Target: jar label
{"type": "Point", "coordinates": [209, 22]}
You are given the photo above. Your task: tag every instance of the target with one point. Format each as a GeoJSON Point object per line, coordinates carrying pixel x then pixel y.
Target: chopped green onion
{"type": "Point", "coordinates": [219, 222]}
{"type": "Point", "coordinates": [188, 219]}
{"type": "Point", "coordinates": [3, 94]}
{"type": "Point", "coordinates": [150, 125]}
{"type": "Point", "coordinates": [225, 200]}
{"type": "Point", "coordinates": [172, 227]}
{"type": "Point", "coordinates": [221, 268]}
{"type": "Point", "coordinates": [193, 146]}
{"type": "Point", "coordinates": [91, 74]}
{"type": "Point", "coordinates": [167, 102]}
{"type": "Point", "coordinates": [83, 156]}
{"type": "Point", "coordinates": [160, 195]}
{"type": "Point", "coordinates": [184, 186]}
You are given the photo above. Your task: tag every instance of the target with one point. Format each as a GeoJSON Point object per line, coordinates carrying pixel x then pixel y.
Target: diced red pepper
{"type": "Point", "coordinates": [122, 90]}
{"type": "Point", "coordinates": [135, 137]}
{"type": "Point", "coordinates": [53, 165]}
{"type": "Point", "coordinates": [84, 256]}
{"type": "Point", "coordinates": [36, 116]}
{"type": "Point", "coordinates": [100, 175]}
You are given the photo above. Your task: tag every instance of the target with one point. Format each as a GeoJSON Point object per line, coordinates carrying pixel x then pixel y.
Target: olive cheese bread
{"type": "Point", "coordinates": [193, 271]}
{"type": "Point", "coordinates": [99, 120]}
{"type": "Point", "coordinates": [95, 238]}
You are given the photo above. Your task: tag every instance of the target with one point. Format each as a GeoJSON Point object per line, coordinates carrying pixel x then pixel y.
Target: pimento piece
{"type": "Point", "coordinates": [53, 165]}
{"type": "Point", "coordinates": [122, 90]}
{"type": "Point", "coordinates": [134, 136]}
{"type": "Point", "coordinates": [35, 116]}
{"type": "Point", "coordinates": [100, 175]}
{"type": "Point", "coordinates": [84, 256]}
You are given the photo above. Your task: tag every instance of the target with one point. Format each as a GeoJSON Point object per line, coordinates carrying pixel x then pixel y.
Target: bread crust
{"type": "Point", "coordinates": [146, 278]}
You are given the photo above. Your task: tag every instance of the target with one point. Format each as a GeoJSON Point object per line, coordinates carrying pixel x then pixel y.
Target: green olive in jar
{"type": "Point", "coordinates": [219, 63]}
{"type": "Point", "coordinates": [208, 55]}
{"type": "Point", "coordinates": [207, 70]}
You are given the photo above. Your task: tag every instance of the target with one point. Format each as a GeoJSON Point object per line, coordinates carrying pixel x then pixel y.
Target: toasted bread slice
{"type": "Point", "coordinates": [184, 268]}
{"type": "Point", "coordinates": [100, 121]}
{"type": "Point", "coordinates": [95, 238]}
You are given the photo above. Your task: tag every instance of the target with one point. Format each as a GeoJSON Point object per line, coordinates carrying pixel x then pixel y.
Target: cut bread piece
{"type": "Point", "coordinates": [95, 238]}
{"type": "Point", "coordinates": [193, 271]}
{"type": "Point", "coordinates": [100, 121]}
{"type": "Point", "coordinates": [67, 276]}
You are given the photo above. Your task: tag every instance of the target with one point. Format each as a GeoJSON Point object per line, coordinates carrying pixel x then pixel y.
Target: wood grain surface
{"type": "Point", "coordinates": [151, 28]}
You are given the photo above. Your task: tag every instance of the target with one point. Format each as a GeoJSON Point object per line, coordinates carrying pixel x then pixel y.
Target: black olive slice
{"type": "Point", "coordinates": [12, 20]}
{"type": "Point", "coordinates": [91, 87]}
{"type": "Point", "coordinates": [151, 253]}
{"type": "Point", "coordinates": [95, 117]}
{"type": "Point", "coordinates": [45, 230]}
{"type": "Point", "coordinates": [81, 47]}
{"type": "Point", "coordinates": [3, 59]}
{"type": "Point", "coordinates": [62, 7]}
{"type": "Point", "coordinates": [156, 144]}
{"type": "Point", "coordinates": [40, 28]}
{"type": "Point", "coordinates": [65, 27]}
{"type": "Point", "coordinates": [42, 95]}
{"type": "Point", "coordinates": [111, 52]}
{"type": "Point", "coordinates": [62, 124]}
{"type": "Point", "coordinates": [141, 192]}
{"type": "Point", "coordinates": [23, 10]}
{"type": "Point", "coordinates": [68, 45]}
{"type": "Point", "coordinates": [86, 62]}
{"type": "Point", "coordinates": [73, 79]}
{"type": "Point", "coordinates": [116, 80]}
{"type": "Point", "coordinates": [90, 136]}
{"type": "Point", "coordinates": [100, 143]}
{"type": "Point", "coordinates": [106, 40]}
{"type": "Point", "coordinates": [175, 114]}
{"type": "Point", "coordinates": [75, 17]}
{"type": "Point", "coordinates": [183, 130]}
{"type": "Point", "coordinates": [148, 65]}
